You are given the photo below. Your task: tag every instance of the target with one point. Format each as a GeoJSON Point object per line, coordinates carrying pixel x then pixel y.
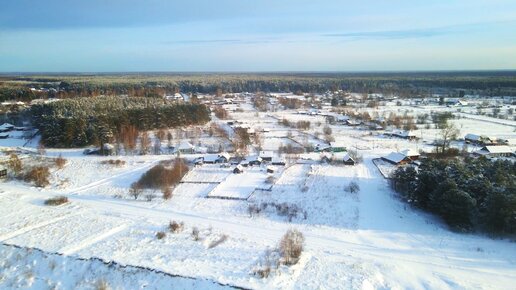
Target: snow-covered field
{"type": "Point", "coordinates": [363, 240]}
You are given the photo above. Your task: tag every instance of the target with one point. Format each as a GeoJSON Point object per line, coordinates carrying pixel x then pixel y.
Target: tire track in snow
{"type": "Point", "coordinates": [72, 249]}
{"type": "Point", "coordinates": [108, 179]}
{"type": "Point", "coordinates": [24, 230]}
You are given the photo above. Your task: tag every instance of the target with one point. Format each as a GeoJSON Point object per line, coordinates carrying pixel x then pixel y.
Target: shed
{"type": "Point", "coordinates": [266, 155]}
{"type": "Point", "coordinates": [238, 169]}
{"type": "Point", "coordinates": [348, 160]}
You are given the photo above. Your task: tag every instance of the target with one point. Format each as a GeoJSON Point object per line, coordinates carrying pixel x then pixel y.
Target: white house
{"type": "Point", "coordinates": [495, 151]}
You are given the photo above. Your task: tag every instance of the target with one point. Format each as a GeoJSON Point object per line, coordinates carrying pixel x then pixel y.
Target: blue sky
{"type": "Point", "coordinates": [254, 35]}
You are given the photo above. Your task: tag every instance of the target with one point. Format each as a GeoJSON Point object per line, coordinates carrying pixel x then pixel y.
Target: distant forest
{"type": "Point", "coordinates": [422, 84]}
{"type": "Point", "coordinates": [84, 121]}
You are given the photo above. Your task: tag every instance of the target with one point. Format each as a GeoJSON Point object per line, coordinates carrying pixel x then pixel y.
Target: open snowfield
{"type": "Point", "coordinates": [363, 240]}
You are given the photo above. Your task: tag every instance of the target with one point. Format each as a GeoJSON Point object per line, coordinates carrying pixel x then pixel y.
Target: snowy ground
{"type": "Point", "coordinates": [366, 240]}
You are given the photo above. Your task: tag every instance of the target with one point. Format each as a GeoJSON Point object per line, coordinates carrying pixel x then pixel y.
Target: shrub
{"type": "Point", "coordinates": [38, 175]}
{"type": "Point", "coordinates": [218, 241]}
{"type": "Point", "coordinates": [195, 234]}
{"type": "Point", "coordinates": [150, 196]}
{"type": "Point", "coordinates": [167, 193]}
{"type": "Point", "coordinates": [115, 162]}
{"type": "Point", "coordinates": [58, 200]}
{"type": "Point", "coordinates": [291, 246]}
{"type": "Point", "coordinates": [263, 272]}
{"type": "Point", "coordinates": [15, 164]}
{"type": "Point", "coordinates": [175, 227]}
{"type": "Point", "coordinates": [60, 161]}
{"type": "Point", "coordinates": [135, 190]}
{"type": "Point", "coordinates": [160, 235]}
{"type": "Point", "coordinates": [160, 176]}
{"type": "Point", "coordinates": [352, 187]}
{"type": "Point", "coordinates": [102, 285]}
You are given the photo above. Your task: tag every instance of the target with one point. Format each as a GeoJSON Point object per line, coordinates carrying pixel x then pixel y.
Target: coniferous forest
{"type": "Point", "coordinates": [85, 121]}
{"type": "Point", "coordinates": [469, 194]}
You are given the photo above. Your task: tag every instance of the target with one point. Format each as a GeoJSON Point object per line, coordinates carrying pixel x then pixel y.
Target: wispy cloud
{"type": "Point", "coordinates": [226, 41]}
{"type": "Point", "coordinates": [395, 34]}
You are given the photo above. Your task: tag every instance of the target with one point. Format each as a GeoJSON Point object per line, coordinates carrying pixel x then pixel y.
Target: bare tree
{"type": "Point", "coordinates": [448, 133]}
{"type": "Point", "coordinates": [145, 143]}
{"type": "Point", "coordinates": [135, 190]}
{"type": "Point", "coordinates": [291, 246]}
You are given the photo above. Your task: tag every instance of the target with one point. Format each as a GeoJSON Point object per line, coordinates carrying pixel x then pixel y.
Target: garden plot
{"type": "Point", "coordinates": [21, 217]}
{"type": "Point", "coordinates": [241, 186]}
{"type": "Point", "coordinates": [273, 143]}
{"type": "Point", "coordinates": [70, 234]}
{"type": "Point", "coordinates": [207, 174]}
{"type": "Point", "coordinates": [33, 269]}
{"type": "Point", "coordinates": [314, 194]}
{"type": "Point", "coordinates": [229, 261]}
{"type": "Point", "coordinates": [104, 173]}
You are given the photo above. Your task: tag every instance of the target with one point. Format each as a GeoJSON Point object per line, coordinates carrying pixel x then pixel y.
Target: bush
{"type": "Point", "coordinates": [115, 162]}
{"type": "Point", "coordinates": [195, 234]}
{"type": "Point", "coordinates": [291, 246]}
{"type": "Point", "coordinates": [38, 175]}
{"type": "Point", "coordinates": [218, 241]}
{"type": "Point", "coordinates": [352, 187]}
{"type": "Point", "coordinates": [160, 235]}
{"type": "Point", "coordinates": [58, 200]}
{"type": "Point", "coordinates": [15, 164]}
{"type": "Point", "coordinates": [175, 227]}
{"type": "Point", "coordinates": [160, 176]}
{"type": "Point", "coordinates": [60, 161]}
{"type": "Point", "coordinates": [167, 193]}
{"type": "Point", "coordinates": [135, 190]}
{"type": "Point", "coordinates": [102, 285]}
{"type": "Point", "coordinates": [150, 196]}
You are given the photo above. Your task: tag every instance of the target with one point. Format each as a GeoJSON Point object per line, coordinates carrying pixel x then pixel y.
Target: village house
{"type": "Point", "coordinates": [238, 169]}
{"type": "Point", "coordinates": [477, 139]}
{"type": "Point", "coordinates": [347, 159]}
{"type": "Point", "coordinates": [6, 127]}
{"type": "Point", "coordinates": [266, 155]}
{"type": "Point", "coordinates": [397, 158]}
{"type": "Point", "coordinates": [409, 135]}
{"type": "Point", "coordinates": [3, 171]}
{"type": "Point", "coordinates": [337, 147]}
{"type": "Point", "coordinates": [185, 147]}
{"type": "Point", "coordinates": [276, 160]}
{"type": "Point", "coordinates": [411, 154]}
{"type": "Point", "coordinates": [322, 148]}
{"type": "Point", "coordinates": [495, 151]}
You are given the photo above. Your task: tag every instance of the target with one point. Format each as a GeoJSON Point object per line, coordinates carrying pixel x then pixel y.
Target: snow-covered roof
{"type": "Point", "coordinates": [253, 158]}
{"type": "Point", "coordinates": [346, 157]}
{"type": "Point", "coordinates": [210, 158]}
{"type": "Point", "coordinates": [395, 157]}
{"type": "Point", "coordinates": [322, 146]}
{"type": "Point", "coordinates": [6, 126]}
{"type": "Point", "coordinates": [266, 154]}
{"type": "Point", "coordinates": [225, 155]}
{"type": "Point", "coordinates": [185, 145]}
{"type": "Point", "coordinates": [337, 144]}
{"type": "Point", "coordinates": [409, 152]}
{"type": "Point", "coordinates": [496, 149]}
{"type": "Point", "coordinates": [472, 137]}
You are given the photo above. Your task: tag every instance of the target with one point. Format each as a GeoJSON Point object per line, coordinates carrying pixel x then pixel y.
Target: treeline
{"type": "Point", "coordinates": [469, 194]}
{"type": "Point", "coordinates": [149, 85]}
{"type": "Point", "coordinates": [85, 121]}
